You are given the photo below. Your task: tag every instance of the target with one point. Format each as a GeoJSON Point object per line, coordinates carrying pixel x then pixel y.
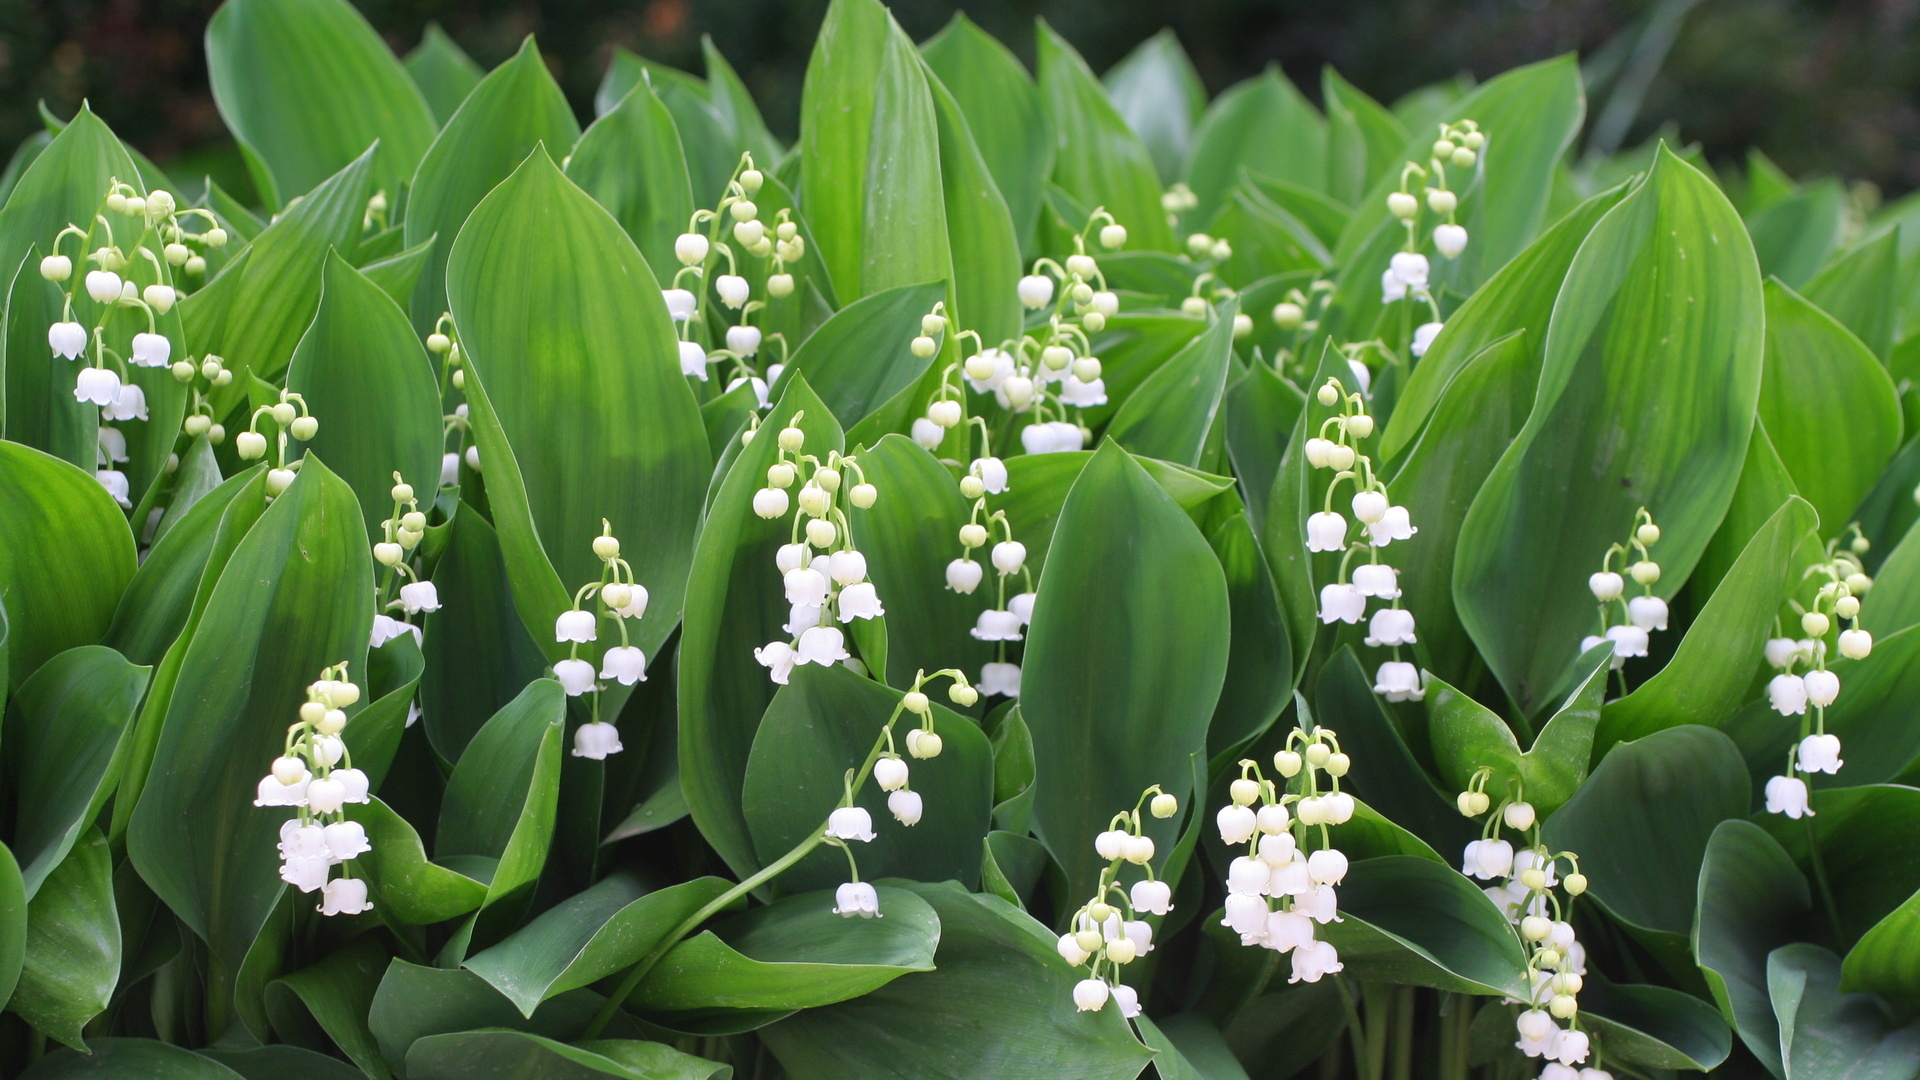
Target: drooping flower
{"type": "Point", "coordinates": [576, 676]}
{"type": "Point", "coordinates": [1781, 652]}
{"type": "Point", "coordinates": [1648, 612]}
{"type": "Point", "coordinates": [856, 898]}
{"type": "Point", "coordinates": [850, 823]}
{"type": "Point", "coordinates": [419, 596]}
{"type": "Point", "coordinates": [996, 625]}
{"type": "Point", "coordinates": [115, 483]}
{"type": "Point", "coordinates": [67, 339]}
{"type": "Point", "coordinates": [1377, 579]}
{"type": "Point", "coordinates": [97, 385]}
{"type": "Point", "coordinates": [693, 360]}
{"type": "Point", "coordinates": [823, 645]}
{"type": "Point", "coordinates": [1787, 795]}
{"type": "Point", "coordinates": [1342, 603]}
{"type": "Point", "coordinates": [151, 350]}
{"type": "Point", "coordinates": [1788, 694]}
{"type": "Point", "coordinates": [1423, 336]}
{"type": "Point", "coordinates": [596, 740]}
{"type": "Point", "coordinates": [1395, 524]}
{"type": "Point", "coordinates": [1627, 641]}
{"type": "Point", "coordinates": [345, 840]}
{"type": "Point", "coordinates": [575, 626]}
{"type": "Point", "coordinates": [1389, 627]}
{"type": "Point", "coordinates": [1822, 687]}
{"type": "Point", "coordinates": [1398, 680]}
{"type": "Point", "coordinates": [992, 473]}
{"type": "Point", "coordinates": [905, 806]}
{"type": "Point", "coordinates": [344, 896]}
{"type": "Point", "coordinates": [1326, 531]}
{"type": "Point", "coordinates": [860, 601]}
{"type": "Point", "coordinates": [1820, 753]}
{"type": "Point", "coordinates": [625, 664]}
{"type": "Point", "coordinates": [778, 658]}
{"type": "Point", "coordinates": [999, 677]}
{"type": "Point", "coordinates": [1089, 995]}
{"type": "Point", "coordinates": [1315, 960]}
{"type": "Point", "coordinates": [1152, 897]}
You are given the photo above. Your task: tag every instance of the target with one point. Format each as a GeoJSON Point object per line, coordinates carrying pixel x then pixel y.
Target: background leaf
{"type": "Point", "coordinates": [631, 162]}
{"type": "Point", "coordinates": [1097, 159]}
{"type": "Point", "coordinates": [65, 557]}
{"type": "Point", "coordinates": [73, 945]}
{"type": "Point", "coordinates": [1752, 900]}
{"type": "Point", "coordinates": [1002, 108]}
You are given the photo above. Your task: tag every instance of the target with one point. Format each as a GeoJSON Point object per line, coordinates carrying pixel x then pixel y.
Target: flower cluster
{"type": "Point", "coordinates": [401, 534]}
{"type": "Point", "coordinates": [1381, 523]}
{"type": "Point", "coordinates": [1556, 961]}
{"type": "Point", "coordinates": [699, 252]}
{"type": "Point", "coordinates": [1640, 615]}
{"type": "Point", "coordinates": [1282, 866]}
{"type": "Point", "coordinates": [824, 574]}
{"type": "Point", "coordinates": [1405, 278]}
{"type": "Point", "coordinates": [106, 380]}
{"type": "Point", "coordinates": [1110, 930]}
{"type": "Point", "coordinates": [290, 417]}
{"type": "Point", "coordinates": [616, 596]}
{"type": "Point", "coordinates": [1790, 692]}
{"type": "Point", "coordinates": [316, 774]}
{"type": "Point", "coordinates": [849, 824]}
{"type": "Point", "coordinates": [1006, 620]}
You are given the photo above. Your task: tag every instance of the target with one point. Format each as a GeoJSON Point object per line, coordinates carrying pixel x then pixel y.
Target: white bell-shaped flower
{"type": "Point", "coordinates": [596, 740]}
{"type": "Point", "coordinates": [1089, 995]}
{"type": "Point", "coordinates": [994, 625]}
{"type": "Point", "coordinates": [306, 873]}
{"type": "Point", "coordinates": [905, 806]}
{"type": "Point", "coordinates": [1152, 897]}
{"type": "Point", "coordinates": [963, 575]}
{"type": "Point", "coordinates": [1009, 556]}
{"type": "Point", "coordinates": [1342, 603]}
{"type": "Point", "coordinates": [732, 289]}
{"type": "Point", "coordinates": [890, 773]}
{"type": "Point", "coordinates": [1627, 641]}
{"type": "Point", "coordinates": [327, 750]}
{"type": "Point", "coordinates": [1126, 999]}
{"type": "Point", "coordinates": [1449, 240]}
{"type": "Point", "coordinates": [1423, 336]}
{"type": "Point", "coordinates": [1236, 824]}
{"type": "Point", "coordinates": [1272, 820]}
{"type": "Point", "coordinates": [577, 626]}
{"type": "Point", "coordinates": [1527, 858]}
{"type": "Point", "coordinates": [744, 340]}
{"type": "Point", "coordinates": [1021, 604]}
{"type": "Point", "coordinates": [1537, 1029]}
{"type": "Point", "coordinates": [1036, 290]}
{"type": "Point", "coordinates": [299, 841]}
{"type": "Point", "coordinates": [115, 483]}
{"type": "Point", "coordinates": [1488, 859]}
{"type": "Point", "coordinates": [987, 370]}
{"type": "Point", "coordinates": [1245, 915]}
{"type": "Point", "coordinates": [386, 628]}
{"type": "Point", "coordinates": [759, 388]}
{"type": "Point", "coordinates": [1110, 844]}
{"type": "Point", "coordinates": [1398, 680]}
{"type": "Point", "coordinates": [1288, 930]}
{"type": "Point", "coordinates": [850, 823]}
{"type": "Point", "coordinates": [273, 792]}
{"type": "Point", "coordinates": [67, 339]}
{"type": "Point", "coordinates": [449, 469]}
{"type": "Point", "coordinates": [151, 350]}
{"type": "Point", "coordinates": [847, 567]}
{"type": "Point", "coordinates": [1395, 524]}
{"type": "Point", "coordinates": [1248, 876]}
{"type": "Point", "coordinates": [419, 596]}
{"type": "Point", "coordinates": [823, 645]}
{"type": "Point", "coordinates": [778, 658]}
{"type": "Point", "coordinates": [1556, 1071]}
{"type": "Point", "coordinates": [1571, 1047]}
{"type": "Point", "coordinates": [770, 503]}
{"type": "Point", "coordinates": [1321, 903]}
{"type": "Point", "coordinates": [129, 404]}
{"type": "Point", "coordinates": [1326, 531]}
{"type": "Point", "coordinates": [1370, 506]}
{"type": "Point", "coordinates": [1788, 694]}
{"type": "Point", "coordinates": [1856, 644]}
{"type": "Point", "coordinates": [1389, 627]}
{"type": "Point", "coordinates": [1083, 395]}
{"type": "Point", "coordinates": [1822, 687]}
{"type": "Point", "coordinates": [1327, 866]}
{"type": "Point", "coordinates": [1411, 268]}
{"type": "Point", "coordinates": [1787, 795]}
{"type": "Point", "coordinates": [805, 585]}
{"type": "Point", "coordinates": [1648, 612]}
{"type": "Point", "coordinates": [101, 386]}
{"type": "Point", "coordinates": [1392, 289]}
{"type": "Point", "coordinates": [999, 677]}
{"type": "Point", "coordinates": [1782, 652]}
{"type": "Point", "coordinates": [576, 676]}
{"type": "Point", "coordinates": [860, 601]}
{"type": "Point", "coordinates": [927, 433]}
{"type": "Point", "coordinates": [346, 840]}
{"type": "Point", "coordinates": [1377, 579]}
{"type": "Point", "coordinates": [693, 360]}
{"type": "Point", "coordinates": [354, 783]}
{"type": "Point", "coordinates": [992, 473]}
{"type": "Point", "coordinates": [690, 248]}
{"type": "Point", "coordinates": [1069, 949]}
{"type": "Point", "coordinates": [1314, 961]}
{"type": "Point", "coordinates": [1140, 933]}
{"type": "Point", "coordinates": [1820, 753]}
{"type": "Point", "coordinates": [104, 286]}
{"type": "Point", "coordinates": [856, 898]}
{"type": "Point", "coordinates": [113, 445]}
{"type": "Point", "coordinates": [325, 795]}
{"type": "Point", "coordinates": [625, 664]}
{"type": "Point", "coordinates": [1606, 585]}
{"type": "Point", "coordinates": [791, 557]}
{"type": "Point", "coordinates": [1339, 805]}
{"type": "Point", "coordinates": [344, 896]}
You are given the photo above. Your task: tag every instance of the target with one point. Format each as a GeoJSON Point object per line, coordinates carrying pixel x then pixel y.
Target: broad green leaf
{"type": "Point", "coordinates": [514, 109]}
{"type": "Point", "coordinates": [1413, 920]}
{"type": "Point", "coordinates": [908, 539]}
{"type": "Point", "coordinates": [62, 731]}
{"type": "Point", "coordinates": [630, 160]}
{"type": "Point", "coordinates": [1640, 824]}
{"type": "Point", "coordinates": [1125, 658]}
{"type": "Point", "coordinates": [1169, 415]}
{"type": "Point", "coordinates": [114, 1059]}
{"type": "Point", "coordinates": [590, 935]}
{"type": "Point", "coordinates": [277, 1060]}
{"type": "Point", "coordinates": [1288, 1029]}
{"type": "Point", "coordinates": [1713, 668]}
{"type": "Point", "coordinates": [981, 240]}
{"type": "Point", "coordinates": [73, 945]}
{"type": "Point", "coordinates": [1006, 1009]}
{"type": "Point", "coordinates": [1386, 774]}
{"type": "Point", "coordinates": [736, 604]}
{"type": "Point", "coordinates": [1264, 126]}
{"type": "Point", "coordinates": [1654, 348]}
{"type": "Point", "coordinates": [1011, 865]}
{"type": "Point", "coordinates": [1363, 139]}
{"type": "Point", "coordinates": [1134, 346]}
{"type": "Point", "coordinates": [254, 313]}
{"type": "Point", "coordinates": [1898, 605]}
{"type": "Point", "coordinates": [65, 557]}
{"type": "Point", "coordinates": [1655, 1027]}
{"type": "Point", "coordinates": [1160, 96]}
{"type": "Point", "coordinates": [1764, 485]}
{"type": "Point", "coordinates": [1189, 1042]}
{"type": "Point", "coordinates": [1003, 110]}
{"type": "Point", "coordinates": [1261, 409]}
{"type": "Point", "coordinates": [1792, 237]}
{"type": "Point", "coordinates": [13, 922]}
{"type": "Point", "coordinates": [1327, 218]}
{"type": "Point", "coordinates": [1265, 240]}
{"type": "Point", "coordinates": [66, 184]}
{"type": "Point", "coordinates": [336, 993]}
{"type": "Point", "coordinates": [824, 723]}
{"type": "Point", "coordinates": [398, 274]}
{"type": "Point", "coordinates": [39, 407]}
{"type": "Point", "coordinates": [1259, 657]}
{"type": "Point", "coordinates": [23, 155]}
{"type": "Point", "coordinates": [1752, 900]}
{"type": "Point", "coordinates": [860, 359]}
{"type": "Point", "coordinates": [308, 86]}
{"type": "Point", "coordinates": [1097, 159]}
{"type": "Point", "coordinates": [415, 1002]}
{"type": "Point", "coordinates": [293, 599]}
{"type": "Point", "coordinates": [1824, 1032]}
{"type": "Point", "coordinates": [1519, 297]}
{"type": "Point", "coordinates": [479, 655]}
{"type": "Point", "coordinates": [367, 381]}
{"type": "Point", "coordinates": [735, 104]}
{"type": "Point", "coordinates": [1859, 288]}
{"type": "Point", "coordinates": [518, 1055]}
{"type": "Point", "coordinates": [1467, 737]}
{"type": "Point", "coordinates": [443, 72]}
{"type": "Point", "coordinates": [1472, 425]}
{"type": "Point", "coordinates": [497, 816]}
{"type": "Point", "coordinates": [400, 876]}
{"type": "Point", "coordinates": [1816, 370]}
{"type": "Point", "coordinates": [1889, 511]}
{"type": "Point", "coordinates": [566, 336]}
{"type": "Point", "coordinates": [1284, 539]}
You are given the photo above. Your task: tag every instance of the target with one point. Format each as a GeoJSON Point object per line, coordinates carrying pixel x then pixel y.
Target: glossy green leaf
{"type": "Point", "coordinates": [308, 86]}
{"type": "Point", "coordinates": [1413, 920]}
{"type": "Point", "coordinates": [517, 1055]}
{"type": "Point", "coordinates": [367, 381]}
{"type": "Point", "coordinates": [1363, 139]}
{"type": "Point", "coordinates": [497, 816]}
{"type": "Point", "coordinates": [415, 1002]}
{"type": "Point", "coordinates": [442, 71]}
{"type": "Point", "coordinates": [1259, 657]}
{"type": "Point", "coordinates": [1655, 1027]}
{"type": "Point", "coordinates": [1169, 415]}
{"type": "Point", "coordinates": [73, 945]}
{"type": "Point", "coordinates": [1393, 782]}
{"type": "Point", "coordinates": [278, 1060]}
{"type": "Point", "coordinates": [398, 274]}
{"type": "Point", "coordinates": [1467, 736]}
{"type": "Point", "coordinates": [336, 993]}
{"type": "Point", "coordinates": [859, 360]}
{"type": "Point", "coordinates": [1097, 158]}
{"type": "Point", "coordinates": [587, 937]}
{"type": "Point", "coordinates": [1764, 485]}
{"type": "Point", "coordinates": [514, 109]}
{"type": "Point", "coordinates": [736, 604]}
{"type": "Point", "coordinates": [1262, 407]}
{"type": "Point", "coordinates": [1290, 1028]}
{"type": "Point", "coordinates": [65, 184]}
{"type": "Point", "coordinates": [793, 954]}
{"type": "Point", "coordinates": [735, 104]}
{"type": "Point", "coordinates": [981, 240]}
{"type": "Point", "coordinates": [1189, 1042]}
{"type": "Point", "coordinates": [578, 403]}
{"type": "Point", "coordinates": [63, 728]}
{"type": "Point", "coordinates": [1003, 110]}
{"type": "Point", "coordinates": [1160, 96]}
{"type": "Point", "coordinates": [400, 875]}
{"type": "Point", "coordinates": [13, 922]}
{"type": "Point", "coordinates": [1824, 1032]}
{"type": "Point", "coordinates": [294, 598]}
{"type": "Point", "coordinates": [1654, 347]}
{"type": "Point", "coordinates": [254, 313]}
{"type": "Point", "coordinates": [1713, 668]}
{"type": "Point", "coordinates": [1325, 217]}
{"type": "Point", "coordinates": [1265, 239]}
{"type": "Point", "coordinates": [1792, 236]}
{"type": "Point", "coordinates": [479, 655]}
{"type": "Point", "coordinates": [630, 160]}
{"type": "Point", "coordinates": [825, 722]}
{"type": "Point", "coordinates": [1006, 1008]}
{"type": "Point", "coordinates": [1641, 823]}
{"type": "Point", "coordinates": [65, 557]}
{"type": "Point", "coordinates": [1263, 125]}
{"type": "Point", "coordinates": [1859, 288]}
{"type": "Point", "coordinates": [114, 1059]}
{"type": "Point", "coordinates": [1752, 900]}
{"type": "Point", "coordinates": [1816, 370]}
{"type": "Point", "coordinates": [1125, 657]}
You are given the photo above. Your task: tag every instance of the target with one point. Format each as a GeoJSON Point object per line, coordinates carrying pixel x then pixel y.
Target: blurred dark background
{"type": "Point", "coordinates": [1821, 87]}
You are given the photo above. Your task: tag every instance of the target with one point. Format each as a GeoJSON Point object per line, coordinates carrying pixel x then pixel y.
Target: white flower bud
{"type": "Point", "coordinates": [56, 268]}
{"type": "Point", "coordinates": [821, 533]}
{"type": "Point", "coordinates": [1815, 624]}
{"type": "Point", "coordinates": [1113, 237]}
{"type": "Point", "coordinates": [1288, 763]}
{"type": "Point", "coordinates": [770, 503]}
{"type": "Point", "coordinates": [1402, 205]}
{"type": "Point", "coordinates": [250, 444]}
{"type": "Point", "coordinates": [304, 428]}
{"type": "Point", "coordinates": [732, 289]}
{"type": "Point", "coordinates": [1606, 585]}
{"type": "Point", "coordinates": [1036, 290]}
{"type": "Point", "coordinates": [1855, 644]}
{"type": "Point", "coordinates": [1518, 815]}
{"type": "Point", "coordinates": [923, 744]}
{"type": "Point", "coordinates": [1163, 806]}
{"type": "Point", "coordinates": [890, 773]}
{"type": "Point", "coordinates": [1450, 240]}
